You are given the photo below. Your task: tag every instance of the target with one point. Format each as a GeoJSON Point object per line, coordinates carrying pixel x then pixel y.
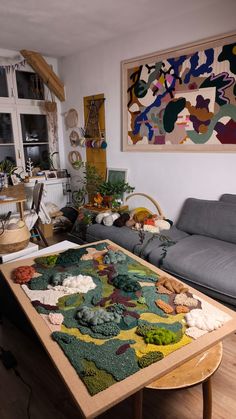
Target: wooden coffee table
{"type": "Point", "coordinates": [92, 406]}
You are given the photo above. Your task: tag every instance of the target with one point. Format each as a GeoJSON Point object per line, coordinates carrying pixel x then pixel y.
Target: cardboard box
{"type": "Point", "coordinates": [47, 229]}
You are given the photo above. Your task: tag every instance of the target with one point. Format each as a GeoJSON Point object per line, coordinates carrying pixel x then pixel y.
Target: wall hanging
{"type": "Point", "coordinates": [74, 158]}
{"type": "Point", "coordinates": [74, 138]}
{"type": "Point", "coordinates": [94, 131]}
{"type": "Point", "coordinates": [12, 63]}
{"type": "Point", "coordinates": [71, 118]}
{"type": "Point", "coordinates": [182, 99]}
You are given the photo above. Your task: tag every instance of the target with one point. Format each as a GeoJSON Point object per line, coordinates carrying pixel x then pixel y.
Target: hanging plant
{"type": "Point", "coordinates": [50, 105]}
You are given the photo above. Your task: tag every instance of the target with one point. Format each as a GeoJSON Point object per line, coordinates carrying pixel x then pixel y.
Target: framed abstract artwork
{"type": "Point", "coordinates": [182, 99]}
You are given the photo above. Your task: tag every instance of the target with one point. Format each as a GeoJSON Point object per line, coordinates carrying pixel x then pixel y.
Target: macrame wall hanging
{"type": "Point", "coordinates": [95, 134]}
{"type": "Point", "coordinates": [12, 63]}
{"type": "Point", "coordinates": [92, 126]}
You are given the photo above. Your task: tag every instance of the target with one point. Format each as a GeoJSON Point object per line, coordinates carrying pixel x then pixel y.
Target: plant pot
{"type": "Point", "coordinates": [107, 200]}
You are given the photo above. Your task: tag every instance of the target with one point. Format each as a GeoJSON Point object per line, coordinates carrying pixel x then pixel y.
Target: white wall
{"type": "Point", "coordinates": [167, 177]}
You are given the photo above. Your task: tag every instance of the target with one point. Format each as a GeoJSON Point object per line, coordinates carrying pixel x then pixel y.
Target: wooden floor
{"type": "Point", "coordinates": [51, 398]}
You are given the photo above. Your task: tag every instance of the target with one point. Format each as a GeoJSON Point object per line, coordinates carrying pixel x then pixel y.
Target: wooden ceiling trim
{"type": "Point", "coordinates": [43, 69]}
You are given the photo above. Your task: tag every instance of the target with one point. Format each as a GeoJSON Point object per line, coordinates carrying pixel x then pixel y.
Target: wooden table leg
{"type": "Point", "coordinates": [207, 399]}
{"type": "Point", "coordinates": [21, 210]}
{"type": "Point", "coordinates": [138, 405]}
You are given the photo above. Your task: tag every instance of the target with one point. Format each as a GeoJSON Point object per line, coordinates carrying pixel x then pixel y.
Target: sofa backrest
{"type": "Point", "coordinates": [228, 197]}
{"type": "Point", "coordinates": [215, 219]}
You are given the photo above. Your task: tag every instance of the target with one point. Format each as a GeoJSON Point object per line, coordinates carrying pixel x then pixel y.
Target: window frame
{"type": "Point", "coordinates": [17, 106]}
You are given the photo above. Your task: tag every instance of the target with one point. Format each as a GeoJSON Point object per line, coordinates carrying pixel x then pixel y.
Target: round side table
{"type": "Point", "coordinates": [196, 371]}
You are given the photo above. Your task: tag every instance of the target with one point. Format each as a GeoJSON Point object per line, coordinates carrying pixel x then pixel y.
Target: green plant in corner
{"type": "Point", "coordinates": [115, 189]}
{"type": "Point", "coordinates": [90, 180]}
{"type": "Point", "coordinates": [7, 166]}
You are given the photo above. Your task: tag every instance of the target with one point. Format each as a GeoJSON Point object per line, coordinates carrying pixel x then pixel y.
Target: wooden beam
{"type": "Point", "coordinates": [43, 69]}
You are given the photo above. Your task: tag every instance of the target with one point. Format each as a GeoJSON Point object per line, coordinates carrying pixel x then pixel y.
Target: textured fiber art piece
{"type": "Point", "coordinates": [107, 314]}
{"type": "Point", "coordinates": [181, 100]}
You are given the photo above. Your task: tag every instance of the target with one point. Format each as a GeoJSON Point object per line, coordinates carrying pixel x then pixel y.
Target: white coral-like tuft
{"type": "Point", "coordinates": [56, 318]}
{"type": "Point", "coordinates": [204, 320]}
{"type": "Point", "coordinates": [74, 284]}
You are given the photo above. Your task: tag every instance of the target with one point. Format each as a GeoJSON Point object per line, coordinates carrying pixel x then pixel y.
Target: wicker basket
{"type": "Point", "coordinates": [14, 240]}
{"type": "Point", "coordinates": [159, 210]}
{"type": "Point", "coordinates": [50, 106]}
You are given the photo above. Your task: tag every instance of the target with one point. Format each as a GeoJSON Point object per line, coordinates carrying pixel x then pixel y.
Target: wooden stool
{"type": "Point", "coordinates": [198, 370]}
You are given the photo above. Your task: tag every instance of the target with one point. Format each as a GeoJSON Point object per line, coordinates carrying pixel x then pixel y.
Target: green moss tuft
{"type": "Point", "coordinates": [46, 261]}
{"type": "Point", "coordinates": [96, 380]}
{"type": "Point", "coordinates": [117, 308]}
{"type": "Point", "coordinates": [126, 283]}
{"type": "Point", "coordinates": [143, 329]}
{"type": "Point", "coordinates": [114, 257]}
{"type": "Point", "coordinates": [70, 257]}
{"type": "Point", "coordinates": [150, 358]}
{"type": "Point", "coordinates": [160, 336]}
{"type": "Point", "coordinates": [87, 316]}
{"type": "Point", "coordinates": [39, 283]}
{"type": "Point", "coordinates": [141, 300]}
{"type": "Point", "coordinates": [106, 329]}
{"type": "Point", "coordinates": [57, 278]}
{"type": "Point", "coordinates": [104, 356]}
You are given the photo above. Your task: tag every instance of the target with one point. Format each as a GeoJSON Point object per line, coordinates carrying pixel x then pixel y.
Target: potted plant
{"type": "Point", "coordinates": [7, 168]}
{"type": "Point", "coordinates": [90, 181]}
{"type": "Point", "coordinates": [112, 191]}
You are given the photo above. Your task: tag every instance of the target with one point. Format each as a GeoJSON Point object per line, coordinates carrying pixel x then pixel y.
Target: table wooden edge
{"type": "Point", "coordinates": [92, 406]}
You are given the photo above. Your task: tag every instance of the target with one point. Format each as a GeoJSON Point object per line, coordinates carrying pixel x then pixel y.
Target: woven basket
{"type": "Point", "coordinates": [159, 210]}
{"type": "Point", "coordinates": [14, 240]}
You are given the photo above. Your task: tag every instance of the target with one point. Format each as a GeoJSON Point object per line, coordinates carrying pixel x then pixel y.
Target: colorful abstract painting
{"type": "Point", "coordinates": [182, 100]}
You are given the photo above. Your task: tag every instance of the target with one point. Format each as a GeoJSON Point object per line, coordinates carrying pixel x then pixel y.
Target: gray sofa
{"type": "Point", "coordinates": [200, 249]}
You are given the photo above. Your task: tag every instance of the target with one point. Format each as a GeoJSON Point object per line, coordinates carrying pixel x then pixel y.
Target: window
{"type": "Point", "coordinates": [6, 134]}
{"type": "Point", "coordinates": [3, 83]}
{"type": "Point", "coordinates": [34, 128]}
{"type": "Point", "coordinates": [29, 85]}
{"type": "Point", "coordinates": [23, 122]}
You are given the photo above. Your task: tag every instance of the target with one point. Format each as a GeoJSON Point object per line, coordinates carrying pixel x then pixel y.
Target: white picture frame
{"type": "Point", "coordinates": [116, 174]}
{"type": "Point", "coordinates": [50, 174]}
{"type": "Point", "coordinates": [15, 180]}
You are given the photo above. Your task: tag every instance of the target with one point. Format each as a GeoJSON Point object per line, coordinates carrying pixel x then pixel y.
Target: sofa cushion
{"type": "Point", "coordinates": [228, 197]}
{"type": "Point", "coordinates": [206, 262]}
{"type": "Point", "coordinates": [129, 239]}
{"type": "Point", "coordinates": [215, 219]}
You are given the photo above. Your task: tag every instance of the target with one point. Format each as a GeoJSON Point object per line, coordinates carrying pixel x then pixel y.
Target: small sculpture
{"type": "Point", "coordinates": [29, 166]}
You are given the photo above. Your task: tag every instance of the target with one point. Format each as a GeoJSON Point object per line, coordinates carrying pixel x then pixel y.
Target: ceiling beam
{"type": "Point", "coordinates": [43, 69]}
